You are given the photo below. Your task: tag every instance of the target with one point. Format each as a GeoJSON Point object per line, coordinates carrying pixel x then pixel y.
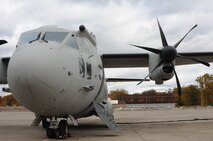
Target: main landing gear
{"type": "Point", "coordinates": [56, 128]}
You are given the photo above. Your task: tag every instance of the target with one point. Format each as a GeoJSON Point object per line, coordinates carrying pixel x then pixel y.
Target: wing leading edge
{"type": "Point", "coordinates": [141, 60]}
{"type": "Point", "coordinates": [125, 60]}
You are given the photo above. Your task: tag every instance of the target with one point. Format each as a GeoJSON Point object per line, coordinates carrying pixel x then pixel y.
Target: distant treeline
{"type": "Point", "coordinates": [8, 100]}
{"type": "Point", "coordinates": [201, 94]}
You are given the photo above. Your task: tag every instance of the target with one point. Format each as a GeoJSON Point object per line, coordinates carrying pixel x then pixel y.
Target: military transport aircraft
{"type": "Point", "coordinates": [58, 74]}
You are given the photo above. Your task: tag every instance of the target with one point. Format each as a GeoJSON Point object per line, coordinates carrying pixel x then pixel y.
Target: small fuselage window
{"type": "Point", "coordinates": [89, 70]}
{"type": "Point", "coordinates": [55, 36]}
{"type": "Point", "coordinates": [81, 67]}
{"type": "Point", "coordinates": [28, 37]}
{"type": "Point", "coordinates": [71, 42]}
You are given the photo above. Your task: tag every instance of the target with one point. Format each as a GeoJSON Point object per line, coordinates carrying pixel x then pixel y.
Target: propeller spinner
{"type": "Point", "coordinates": [168, 54]}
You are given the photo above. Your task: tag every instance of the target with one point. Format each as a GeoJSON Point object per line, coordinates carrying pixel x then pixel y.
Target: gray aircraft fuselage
{"type": "Point", "coordinates": [56, 72]}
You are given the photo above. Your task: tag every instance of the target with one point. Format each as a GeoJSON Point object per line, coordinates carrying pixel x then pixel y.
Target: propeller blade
{"type": "Point", "coordinates": [194, 59]}
{"type": "Point", "coordinates": [151, 72]}
{"type": "Point", "coordinates": [153, 50]}
{"type": "Point", "coordinates": [163, 38]}
{"type": "Point", "coordinates": [178, 82]}
{"type": "Point", "coordinates": [3, 42]}
{"type": "Point", "coordinates": [176, 45]}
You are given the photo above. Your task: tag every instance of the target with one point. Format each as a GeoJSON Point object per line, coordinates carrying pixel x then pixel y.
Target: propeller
{"type": "Point", "coordinates": [177, 81]}
{"type": "Point", "coordinates": [168, 54]}
{"type": "Point", "coordinates": [3, 42]}
{"type": "Point", "coordinates": [158, 65]}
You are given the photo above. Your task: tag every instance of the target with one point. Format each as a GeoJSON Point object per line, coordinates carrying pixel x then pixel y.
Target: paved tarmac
{"type": "Point", "coordinates": [148, 125]}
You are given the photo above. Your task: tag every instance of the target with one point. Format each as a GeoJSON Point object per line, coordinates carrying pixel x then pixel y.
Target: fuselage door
{"type": "Point", "coordinates": [87, 62]}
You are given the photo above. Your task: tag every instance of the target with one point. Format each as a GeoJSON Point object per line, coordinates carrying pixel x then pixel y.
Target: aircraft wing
{"type": "Point", "coordinates": [125, 60]}
{"type": "Point", "coordinates": [205, 56]}
{"type": "Point", "coordinates": [141, 60]}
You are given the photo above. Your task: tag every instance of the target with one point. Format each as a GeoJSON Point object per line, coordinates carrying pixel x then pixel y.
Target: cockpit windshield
{"type": "Point", "coordinates": [55, 36]}
{"type": "Point", "coordinates": [28, 37]}
{"type": "Point", "coordinates": [47, 36]}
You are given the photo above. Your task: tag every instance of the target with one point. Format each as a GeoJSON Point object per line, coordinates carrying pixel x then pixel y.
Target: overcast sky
{"type": "Point", "coordinates": [116, 23]}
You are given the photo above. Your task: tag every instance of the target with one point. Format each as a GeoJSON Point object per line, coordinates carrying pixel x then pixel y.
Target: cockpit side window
{"type": "Point", "coordinates": [55, 36]}
{"type": "Point", "coordinates": [28, 37]}
{"type": "Point", "coordinates": [71, 42]}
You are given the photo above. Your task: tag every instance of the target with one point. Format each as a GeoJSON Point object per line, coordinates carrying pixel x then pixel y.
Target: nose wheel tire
{"type": "Point", "coordinates": [45, 123]}
{"type": "Point", "coordinates": [63, 129]}
{"type": "Point", "coordinates": [51, 133]}
{"type": "Point", "coordinates": [61, 132]}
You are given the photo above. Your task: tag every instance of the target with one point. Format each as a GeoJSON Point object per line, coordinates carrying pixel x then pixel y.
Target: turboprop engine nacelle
{"type": "Point", "coordinates": [163, 73]}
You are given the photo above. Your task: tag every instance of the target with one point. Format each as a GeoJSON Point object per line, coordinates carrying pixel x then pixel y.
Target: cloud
{"type": "Point", "coordinates": [116, 23]}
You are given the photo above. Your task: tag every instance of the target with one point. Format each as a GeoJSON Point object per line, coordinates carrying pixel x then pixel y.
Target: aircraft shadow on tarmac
{"type": "Point", "coordinates": [89, 127]}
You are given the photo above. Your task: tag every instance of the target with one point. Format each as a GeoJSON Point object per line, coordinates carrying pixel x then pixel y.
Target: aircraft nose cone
{"type": "Point", "coordinates": [28, 62]}
{"type": "Point", "coordinates": [35, 76]}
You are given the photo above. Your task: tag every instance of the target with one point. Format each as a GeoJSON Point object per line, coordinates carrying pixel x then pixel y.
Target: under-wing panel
{"type": "Point", "coordinates": [124, 79]}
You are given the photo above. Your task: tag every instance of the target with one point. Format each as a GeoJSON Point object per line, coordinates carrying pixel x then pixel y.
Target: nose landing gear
{"type": "Point", "coordinates": [45, 123]}
{"type": "Point", "coordinates": [58, 129]}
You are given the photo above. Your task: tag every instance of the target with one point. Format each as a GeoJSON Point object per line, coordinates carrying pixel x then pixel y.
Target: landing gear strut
{"type": "Point", "coordinates": [58, 129]}
{"type": "Point", "coordinates": [45, 123]}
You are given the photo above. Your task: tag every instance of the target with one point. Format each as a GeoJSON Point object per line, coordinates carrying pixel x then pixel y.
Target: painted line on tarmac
{"type": "Point", "coordinates": [167, 121]}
